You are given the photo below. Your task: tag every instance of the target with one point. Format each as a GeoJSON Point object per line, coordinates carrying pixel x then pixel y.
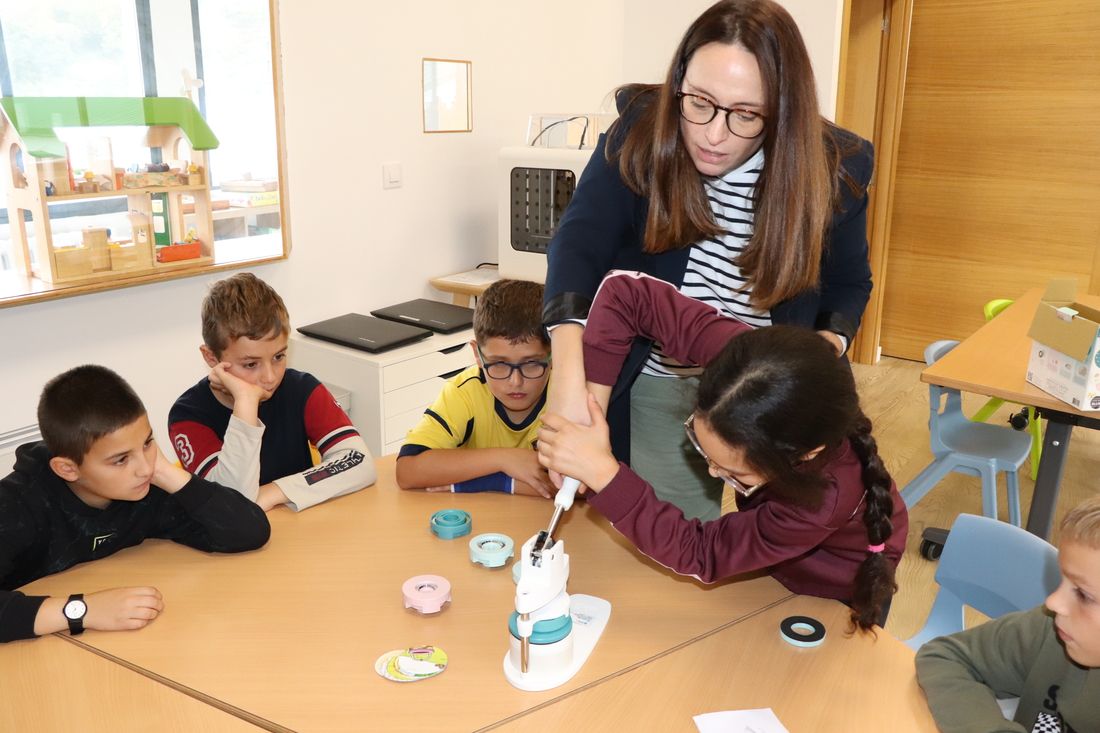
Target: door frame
{"type": "Point", "coordinates": [890, 98]}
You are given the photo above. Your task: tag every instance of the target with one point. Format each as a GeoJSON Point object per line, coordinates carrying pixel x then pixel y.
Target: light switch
{"type": "Point", "coordinates": [391, 175]}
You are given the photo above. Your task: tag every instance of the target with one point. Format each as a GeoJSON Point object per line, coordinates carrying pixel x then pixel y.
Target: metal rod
{"type": "Point", "coordinates": [524, 648]}
{"type": "Point", "coordinates": [558, 511]}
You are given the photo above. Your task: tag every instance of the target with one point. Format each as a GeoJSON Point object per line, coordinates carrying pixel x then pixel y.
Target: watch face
{"type": "Point", "coordinates": [75, 609]}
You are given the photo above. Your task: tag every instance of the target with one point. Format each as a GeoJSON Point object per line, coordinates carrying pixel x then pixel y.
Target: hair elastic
{"type": "Point", "coordinates": [447, 524]}
{"type": "Point", "coordinates": [876, 548]}
{"type": "Point", "coordinates": [491, 550]}
{"type": "Point", "coordinates": [426, 593]}
{"type": "Point", "coordinates": [802, 631]}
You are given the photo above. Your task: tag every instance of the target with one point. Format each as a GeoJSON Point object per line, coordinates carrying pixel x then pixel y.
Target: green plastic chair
{"type": "Point", "coordinates": [1025, 418]}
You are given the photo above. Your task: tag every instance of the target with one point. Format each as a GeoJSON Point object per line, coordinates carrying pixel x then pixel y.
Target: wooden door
{"type": "Point", "coordinates": [997, 185]}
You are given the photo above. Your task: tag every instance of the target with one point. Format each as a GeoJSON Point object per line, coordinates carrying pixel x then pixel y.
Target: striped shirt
{"type": "Point", "coordinates": [711, 275]}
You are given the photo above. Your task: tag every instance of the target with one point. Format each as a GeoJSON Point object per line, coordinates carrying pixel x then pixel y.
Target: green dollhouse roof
{"type": "Point", "coordinates": [35, 118]}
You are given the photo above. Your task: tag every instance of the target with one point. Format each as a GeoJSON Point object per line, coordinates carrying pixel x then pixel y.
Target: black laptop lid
{"type": "Point", "coordinates": [365, 333]}
{"type": "Point", "coordinates": [441, 317]}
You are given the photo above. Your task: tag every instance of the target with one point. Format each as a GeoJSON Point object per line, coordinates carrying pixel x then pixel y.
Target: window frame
{"type": "Point", "coordinates": [18, 288]}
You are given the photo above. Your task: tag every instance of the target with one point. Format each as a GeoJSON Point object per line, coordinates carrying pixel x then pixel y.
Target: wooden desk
{"type": "Point", "coordinates": [51, 684]}
{"type": "Point", "coordinates": [466, 285]}
{"type": "Point", "coordinates": [855, 683]}
{"type": "Point", "coordinates": [290, 633]}
{"type": "Point", "coordinates": [993, 361]}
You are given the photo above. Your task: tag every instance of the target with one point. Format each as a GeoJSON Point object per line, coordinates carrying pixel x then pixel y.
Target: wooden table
{"type": "Point", "coordinates": [50, 684]}
{"type": "Point", "coordinates": [848, 683]}
{"type": "Point", "coordinates": [466, 285]}
{"type": "Point", "coordinates": [993, 361]}
{"type": "Point", "coordinates": [287, 636]}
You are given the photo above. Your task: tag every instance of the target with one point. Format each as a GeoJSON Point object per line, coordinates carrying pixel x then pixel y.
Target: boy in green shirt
{"type": "Point", "coordinates": [1049, 657]}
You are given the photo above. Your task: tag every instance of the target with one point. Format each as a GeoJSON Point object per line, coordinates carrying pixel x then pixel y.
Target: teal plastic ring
{"type": "Point", "coordinates": [545, 632]}
{"type": "Point", "coordinates": [491, 550]}
{"type": "Point", "coordinates": [448, 524]}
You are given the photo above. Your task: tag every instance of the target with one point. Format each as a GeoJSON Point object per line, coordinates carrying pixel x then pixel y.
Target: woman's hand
{"type": "Point", "coordinates": [580, 451]}
{"type": "Point", "coordinates": [834, 341]}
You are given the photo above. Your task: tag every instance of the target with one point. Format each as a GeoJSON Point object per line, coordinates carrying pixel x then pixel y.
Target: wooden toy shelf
{"type": "Point", "coordinates": [121, 192]}
{"type": "Point", "coordinates": [35, 157]}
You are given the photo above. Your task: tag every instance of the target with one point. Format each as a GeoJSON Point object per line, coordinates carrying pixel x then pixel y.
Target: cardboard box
{"type": "Point", "coordinates": [1065, 347]}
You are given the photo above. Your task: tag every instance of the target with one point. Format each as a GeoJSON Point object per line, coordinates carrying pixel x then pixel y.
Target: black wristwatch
{"type": "Point", "coordinates": [74, 610]}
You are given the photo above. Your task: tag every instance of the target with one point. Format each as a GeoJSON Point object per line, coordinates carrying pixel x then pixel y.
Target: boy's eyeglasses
{"type": "Point", "coordinates": [504, 369]}
{"type": "Point", "coordinates": [722, 473]}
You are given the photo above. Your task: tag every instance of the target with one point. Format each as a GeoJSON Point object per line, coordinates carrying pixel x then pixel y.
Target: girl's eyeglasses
{"type": "Point", "coordinates": [722, 473]}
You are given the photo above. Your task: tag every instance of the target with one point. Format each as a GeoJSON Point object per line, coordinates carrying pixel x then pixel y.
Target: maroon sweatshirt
{"type": "Point", "coordinates": [815, 551]}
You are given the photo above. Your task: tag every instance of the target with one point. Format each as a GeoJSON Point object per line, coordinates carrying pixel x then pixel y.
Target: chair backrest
{"type": "Point", "coordinates": [941, 411]}
{"type": "Point", "coordinates": [994, 307]}
{"type": "Point", "coordinates": [993, 567]}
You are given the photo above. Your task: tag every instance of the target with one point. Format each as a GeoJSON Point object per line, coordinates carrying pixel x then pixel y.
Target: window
{"type": "Point", "coordinates": [216, 53]}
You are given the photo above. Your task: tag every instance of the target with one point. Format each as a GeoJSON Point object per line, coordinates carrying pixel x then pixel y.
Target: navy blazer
{"type": "Point", "coordinates": [603, 228]}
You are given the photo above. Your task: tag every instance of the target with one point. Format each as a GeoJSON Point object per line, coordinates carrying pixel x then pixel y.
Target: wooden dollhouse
{"type": "Point", "coordinates": [38, 172]}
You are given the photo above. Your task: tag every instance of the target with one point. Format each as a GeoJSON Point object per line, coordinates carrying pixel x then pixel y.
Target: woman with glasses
{"type": "Point", "coordinates": [777, 420]}
{"type": "Point", "coordinates": [726, 182]}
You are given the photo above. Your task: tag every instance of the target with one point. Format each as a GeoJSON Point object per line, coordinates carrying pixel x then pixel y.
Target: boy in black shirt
{"type": "Point", "coordinates": [95, 484]}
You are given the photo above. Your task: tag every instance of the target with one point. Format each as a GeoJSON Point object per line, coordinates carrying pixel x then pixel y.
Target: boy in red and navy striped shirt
{"type": "Point", "coordinates": [249, 424]}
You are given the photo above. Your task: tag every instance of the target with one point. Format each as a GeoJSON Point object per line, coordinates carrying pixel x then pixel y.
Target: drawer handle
{"type": "Point", "coordinates": [454, 373]}
{"type": "Point", "coordinates": [452, 349]}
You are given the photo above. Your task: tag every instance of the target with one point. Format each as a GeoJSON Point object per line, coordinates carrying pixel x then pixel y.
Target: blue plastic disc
{"type": "Point", "coordinates": [491, 550]}
{"type": "Point", "coordinates": [546, 632]}
{"type": "Point", "coordinates": [447, 524]}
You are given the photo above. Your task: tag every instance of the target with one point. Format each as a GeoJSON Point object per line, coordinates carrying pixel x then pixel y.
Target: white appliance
{"type": "Point", "coordinates": [536, 184]}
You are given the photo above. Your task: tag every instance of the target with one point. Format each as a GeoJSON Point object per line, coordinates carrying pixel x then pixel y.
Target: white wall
{"type": "Point", "coordinates": [654, 28]}
{"type": "Point", "coordinates": [352, 95]}
{"type": "Point", "coordinates": [352, 98]}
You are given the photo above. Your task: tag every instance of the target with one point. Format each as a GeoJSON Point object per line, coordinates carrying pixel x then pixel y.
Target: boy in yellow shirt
{"type": "Point", "coordinates": [479, 434]}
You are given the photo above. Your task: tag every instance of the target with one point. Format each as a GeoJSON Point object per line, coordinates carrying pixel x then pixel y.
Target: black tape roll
{"type": "Point", "coordinates": [802, 631]}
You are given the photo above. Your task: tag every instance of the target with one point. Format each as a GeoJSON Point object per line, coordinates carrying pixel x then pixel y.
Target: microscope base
{"type": "Point", "coordinates": [590, 616]}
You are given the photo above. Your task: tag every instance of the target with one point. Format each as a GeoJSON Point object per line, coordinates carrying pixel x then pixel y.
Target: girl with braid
{"type": "Point", "coordinates": [777, 418]}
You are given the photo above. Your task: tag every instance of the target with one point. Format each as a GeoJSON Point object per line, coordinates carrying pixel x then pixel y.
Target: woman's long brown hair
{"type": "Point", "coordinates": [796, 190]}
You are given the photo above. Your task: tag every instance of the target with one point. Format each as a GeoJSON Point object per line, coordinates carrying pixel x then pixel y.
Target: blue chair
{"type": "Point", "coordinates": [992, 567]}
{"type": "Point", "coordinates": [975, 449]}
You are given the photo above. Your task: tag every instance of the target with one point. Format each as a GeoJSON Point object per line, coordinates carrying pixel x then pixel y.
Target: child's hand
{"type": "Point", "coordinates": [167, 475]}
{"type": "Point", "coordinates": [580, 451]}
{"type": "Point", "coordinates": [224, 381]}
{"type": "Point", "coordinates": [523, 466]}
{"type": "Point", "coordinates": [524, 489]}
{"type": "Point", "coordinates": [120, 609]}
{"type": "Point", "coordinates": [270, 496]}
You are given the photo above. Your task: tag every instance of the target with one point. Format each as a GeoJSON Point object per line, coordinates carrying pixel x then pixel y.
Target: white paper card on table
{"type": "Point", "coordinates": [740, 721]}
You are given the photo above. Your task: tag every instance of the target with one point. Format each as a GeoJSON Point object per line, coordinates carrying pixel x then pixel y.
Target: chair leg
{"type": "Point", "coordinates": [1036, 429]}
{"type": "Point", "coordinates": [986, 411]}
{"type": "Point", "coordinates": [924, 481]}
{"type": "Point", "coordinates": [1012, 485]}
{"type": "Point", "coordinates": [989, 491]}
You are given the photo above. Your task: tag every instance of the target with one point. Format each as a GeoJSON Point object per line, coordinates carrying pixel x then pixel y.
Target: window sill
{"type": "Point", "coordinates": [18, 289]}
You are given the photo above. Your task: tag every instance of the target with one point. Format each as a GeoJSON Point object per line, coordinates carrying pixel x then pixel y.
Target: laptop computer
{"type": "Point", "coordinates": [440, 317]}
{"type": "Point", "coordinates": [364, 333]}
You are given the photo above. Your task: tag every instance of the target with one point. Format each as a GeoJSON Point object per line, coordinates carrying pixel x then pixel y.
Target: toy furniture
{"type": "Point", "coordinates": [38, 174]}
{"type": "Point", "coordinates": [975, 449]}
{"type": "Point", "coordinates": [992, 567]}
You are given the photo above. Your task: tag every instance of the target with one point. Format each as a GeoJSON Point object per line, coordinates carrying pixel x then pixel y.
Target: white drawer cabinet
{"type": "Point", "coordinates": [388, 391]}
